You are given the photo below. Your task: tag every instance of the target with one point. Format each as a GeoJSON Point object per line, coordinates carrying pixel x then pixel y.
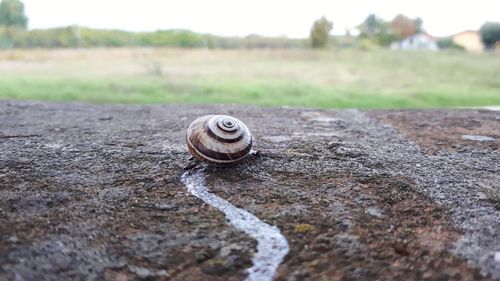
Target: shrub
{"type": "Point", "coordinates": [447, 43]}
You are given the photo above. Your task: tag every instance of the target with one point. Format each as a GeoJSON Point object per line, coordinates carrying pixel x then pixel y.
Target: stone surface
{"type": "Point", "coordinates": [93, 192]}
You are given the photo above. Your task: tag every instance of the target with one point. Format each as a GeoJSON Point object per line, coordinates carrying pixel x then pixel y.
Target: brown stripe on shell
{"type": "Point", "coordinates": [194, 143]}
{"type": "Point", "coordinates": [217, 163]}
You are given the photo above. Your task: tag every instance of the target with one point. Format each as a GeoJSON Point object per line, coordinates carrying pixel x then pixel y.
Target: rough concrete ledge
{"type": "Point", "coordinates": [93, 192]}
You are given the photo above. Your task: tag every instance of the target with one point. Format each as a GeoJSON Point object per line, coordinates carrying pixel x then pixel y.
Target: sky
{"type": "Point", "coordinates": [292, 18]}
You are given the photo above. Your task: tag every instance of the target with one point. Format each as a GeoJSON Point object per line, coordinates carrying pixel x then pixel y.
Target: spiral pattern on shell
{"type": "Point", "coordinates": [219, 140]}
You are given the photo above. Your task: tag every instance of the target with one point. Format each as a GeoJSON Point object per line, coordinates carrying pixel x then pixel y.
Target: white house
{"type": "Point", "coordinates": [419, 41]}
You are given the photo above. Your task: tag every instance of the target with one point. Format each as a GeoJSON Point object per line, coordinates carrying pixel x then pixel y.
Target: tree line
{"type": "Point", "coordinates": [373, 30]}
{"type": "Point", "coordinates": [14, 34]}
{"type": "Point", "coordinates": [75, 37]}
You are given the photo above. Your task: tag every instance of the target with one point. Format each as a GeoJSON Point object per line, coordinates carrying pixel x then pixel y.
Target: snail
{"type": "Point", "coordinates": [219, 140]}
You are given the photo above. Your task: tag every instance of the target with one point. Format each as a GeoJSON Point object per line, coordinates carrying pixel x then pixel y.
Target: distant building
{"type": "Point", "coordinates": [419, 41]}
{"type": "Point", "coordinates": [470, 40]}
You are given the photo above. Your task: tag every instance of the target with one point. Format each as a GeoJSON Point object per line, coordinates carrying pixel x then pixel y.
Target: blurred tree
{"type": "Point", "coordinates": [371, 26]}
{"type": "Point", "coordinates": [12, 14]}
{"type": "Point", "coordinates": [320, 32]}
{"type": "Point", "coordinates": [403, 26]}
{"type": "Point", "coordinates": [376, 30]}
{"type": "Point", "coordinates": [418, 24]}
{"type": "Point", "coordinates": [490, 34]}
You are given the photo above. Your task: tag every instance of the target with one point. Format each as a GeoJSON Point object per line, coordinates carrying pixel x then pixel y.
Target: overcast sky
{"type": "Point", "coordinates": [292, 18]}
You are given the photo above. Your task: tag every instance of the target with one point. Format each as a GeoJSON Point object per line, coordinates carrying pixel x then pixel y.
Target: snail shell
{"type": "Point", "coordinates": [219, 140]}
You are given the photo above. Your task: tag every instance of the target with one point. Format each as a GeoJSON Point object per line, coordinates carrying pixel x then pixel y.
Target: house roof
{"type": "Point", "coordinates": [465, 31]}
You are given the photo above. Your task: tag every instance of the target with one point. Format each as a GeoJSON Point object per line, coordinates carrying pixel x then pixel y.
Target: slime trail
{"type": "Point", "coordinates": [271, 245]}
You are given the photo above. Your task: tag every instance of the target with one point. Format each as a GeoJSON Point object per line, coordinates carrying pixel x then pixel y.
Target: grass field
{"type": "Point", "coordinates": [329, 78]}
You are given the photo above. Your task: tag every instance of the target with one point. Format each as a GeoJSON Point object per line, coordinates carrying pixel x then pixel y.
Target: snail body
{"type": "Point", "coordinates": [219, 140]}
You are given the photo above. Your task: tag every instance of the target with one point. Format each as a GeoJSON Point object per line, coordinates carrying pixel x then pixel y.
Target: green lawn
{"type": "Point", "coordinates": [329, 78]}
